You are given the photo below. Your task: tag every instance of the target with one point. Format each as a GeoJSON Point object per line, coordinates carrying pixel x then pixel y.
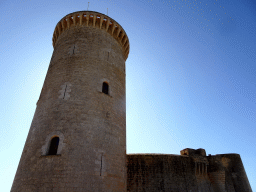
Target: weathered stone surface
{"type": "Point", "coordinates": [91, 125]}
{"type": "Point", "coordinates": [194, 172]}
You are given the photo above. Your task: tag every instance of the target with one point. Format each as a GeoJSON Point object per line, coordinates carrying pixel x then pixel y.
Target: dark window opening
{"type": "Point", "coordinates": [105, 88]}
{"type": "Point", "coordinates": [54, 146]}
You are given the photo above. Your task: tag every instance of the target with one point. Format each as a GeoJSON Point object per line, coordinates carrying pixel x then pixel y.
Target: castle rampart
{"type": "Point", "coordinates": [191, 171]}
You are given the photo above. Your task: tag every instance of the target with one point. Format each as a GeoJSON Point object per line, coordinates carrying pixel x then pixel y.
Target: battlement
{"type": "Point", "coordinates": [96, 20]}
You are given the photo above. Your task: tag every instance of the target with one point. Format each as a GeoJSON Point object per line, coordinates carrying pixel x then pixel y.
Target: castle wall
{"type": "Point", "coordinates": [195, 173]}
{"type": "Point", "coordinates": [226, 172]}
{"type": "Point", "coordinates": [164, 173]}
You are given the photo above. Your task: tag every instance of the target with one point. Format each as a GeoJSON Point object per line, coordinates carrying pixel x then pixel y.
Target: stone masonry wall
{"type": "Point", "coordinates": [91, 125]}
{"type": "Point", "coordinates": [175, 173]}
{"type": "Point", "coordinates": [164, 173]}
{"type": "Point", "coordinates": [226, 172]}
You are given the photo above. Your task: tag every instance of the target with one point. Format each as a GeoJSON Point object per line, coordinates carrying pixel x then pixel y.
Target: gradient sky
{"type": "Point", "coordinates": [190, 74]}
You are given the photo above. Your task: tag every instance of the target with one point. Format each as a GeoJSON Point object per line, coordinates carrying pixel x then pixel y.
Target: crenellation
{"type": "Point", "coordinates": [78, 19]}
{"type": "Point", "coordinates": [122, 36]}
{"type": "Point", "coordinates": [63, 26]}
{"type": "Point", "coordinates": [70, 18]}
{"type": "Point", "coordinates": [113, 27]}
{"type": "Point", "coordinates": [68, 22]}
{"type": "Point", "coordinates": [87, 19]}
{"type": "Point", "coordinates": [101, 20]}
{"type": "Point", "coordinates": [107, 25]}
{"type": "Point", "coordinates": [94, 19]}
{"type": "Point", "coordinates": [118, 32]}
{"type": "Point", "coordinates": [58, 30]}
{"type": "Point", "coordinates": [81, 16]}
{"type": "Point", "coordinates": [124, 40]}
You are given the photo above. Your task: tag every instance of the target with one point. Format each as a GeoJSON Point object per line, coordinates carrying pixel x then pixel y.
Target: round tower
{"type": "Point", "coordinates": [77, 139]}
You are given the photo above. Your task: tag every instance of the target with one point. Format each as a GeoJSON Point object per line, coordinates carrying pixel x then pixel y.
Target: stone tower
{"type": "Point", "coordinates": [77, 139]}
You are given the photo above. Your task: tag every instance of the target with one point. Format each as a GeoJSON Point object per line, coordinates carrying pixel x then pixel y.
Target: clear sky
{"type": "Point", "coordinates": [190, 74]}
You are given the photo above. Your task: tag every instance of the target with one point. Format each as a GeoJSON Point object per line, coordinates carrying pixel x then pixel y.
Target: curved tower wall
{"type": "Point", "coordinates": [89, 48]}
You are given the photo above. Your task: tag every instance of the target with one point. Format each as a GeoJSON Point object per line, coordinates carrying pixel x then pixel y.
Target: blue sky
{"type": "Point", "coordinates": [190, 74]}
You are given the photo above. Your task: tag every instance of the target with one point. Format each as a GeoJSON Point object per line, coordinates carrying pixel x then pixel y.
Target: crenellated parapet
{"type": "Point", "coordinates": [93, 19]}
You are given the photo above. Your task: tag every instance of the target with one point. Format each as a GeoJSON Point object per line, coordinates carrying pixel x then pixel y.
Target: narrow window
{"type": "Point", "coordinates": [105, 88]}
{"type": "Point", "coordinates": [54, 146]}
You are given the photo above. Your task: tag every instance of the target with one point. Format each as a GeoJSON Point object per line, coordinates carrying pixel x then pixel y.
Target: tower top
{"type": "Point", "coordinates": [96, 20]}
